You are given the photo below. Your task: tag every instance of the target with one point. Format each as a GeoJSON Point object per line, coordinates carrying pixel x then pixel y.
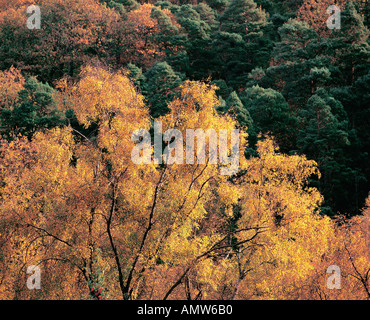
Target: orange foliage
{"type": "Point", "coordinates": [15, 3]}
{"type": "Point", "coordinates": [69, 29]}
{"type": "Point", "coordinates": [139, 31]}
{"type": "Point", "coordinates": [11, 82]}
{"type": "Point", "coordinates": [350, 252]}
{"type": "Point", "coordinates": [314, 13]}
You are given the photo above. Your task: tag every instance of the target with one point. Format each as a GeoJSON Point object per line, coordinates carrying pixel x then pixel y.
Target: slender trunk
{"type": "Point", "coordinates": [363, 280]}
{"type": "Point", "coordinates": [236, 289]}
{"type": "Point", "coordinates": [111, 241]}
{"type": "Point", "coordinates": [240, 277]}
{"type": "Point", "coordinates": [150, 224]}
{"type": "Point", "coordinates": [177, 283]}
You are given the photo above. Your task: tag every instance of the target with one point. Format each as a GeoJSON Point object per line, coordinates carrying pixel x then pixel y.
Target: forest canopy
{"type": "Point", "coordinates": [100, 226]}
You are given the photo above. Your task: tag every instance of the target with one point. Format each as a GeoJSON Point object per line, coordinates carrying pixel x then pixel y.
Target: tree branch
{"type": "Point", "coordinates": [49, 234]}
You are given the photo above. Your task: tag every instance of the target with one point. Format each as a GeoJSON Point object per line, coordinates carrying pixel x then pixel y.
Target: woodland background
{"type": "Point", "coordinates": [100, 227]}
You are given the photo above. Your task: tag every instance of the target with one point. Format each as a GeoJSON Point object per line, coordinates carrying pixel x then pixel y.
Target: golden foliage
{"type": "Point", "coordinates": [79, 208]}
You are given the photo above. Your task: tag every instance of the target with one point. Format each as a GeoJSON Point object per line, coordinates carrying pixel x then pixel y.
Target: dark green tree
{"type": "Point", "coordinates": [324, 136]}
{"type": "Point", "coordinates": [169, 39]}
{"type": "Point", "coordinates": [128, 5]}
{"type": "Point", "coordinates": [299, 59]}
{"type": "Point", "coordinates": [270, 113]}
{"type": "Point", "coordinates": [243, 17]}
{"type": "Point", "coordinates": [223, 89]}
{"type": "Point", "coordinates": [137, 76]}
{"type": "Point", "coordinates": [230, 60]}
{"type": "Point", "coordinates": [351, 45]}
{"type": "Point", "coordinates": [218, 5]}
{"type": "Point", "coordinates": [160, 86]}
{"type": "Point", "coordinates": [208, 15]}
{"type": "Point", "coordinates": [195, 62]}
{"type": "Point", "coordinates": [234, 107]}
{"type": "Point", "coordinates": [246, 19]}
{"type": "Point", "coordinates": [36, 109]}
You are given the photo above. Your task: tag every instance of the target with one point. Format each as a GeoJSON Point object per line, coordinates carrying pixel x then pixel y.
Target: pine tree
{"type": "Point", "coordinates": [230, 60]}
{"type": "Point", "coordinates": [35, 109]}
{"type": "Point", "coordinates": [235, 107]}
{"type": "Point", "coordinates": [270, 114]}
{"type": "Point", "coordinates": [243, 17]}
{"type": "Point", "coordinates": [195, 61]}
{"type": "Point", "coordinates": [323, 136]}
{"type": "Point", "coordinates": [351, 45]}
{"type": "Point", "coordinates": [160, 87]}
{"type": "Point", "coordinates": [219, 5]}
{"type": "Point", "coordinates": [208, 15]}
{"type": "Point", "coordinates": [136, 75]}
{"type": "Point", "coordinates": [168, 37]}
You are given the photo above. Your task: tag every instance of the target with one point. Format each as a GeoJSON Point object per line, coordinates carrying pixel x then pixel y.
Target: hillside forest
{"type": "Point", "coordinates": [79, 77]}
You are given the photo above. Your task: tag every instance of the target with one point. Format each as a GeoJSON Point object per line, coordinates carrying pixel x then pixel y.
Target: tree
{"type": "Point", "coordinates": [219, 5]}
{"type": "Point", "coordinates": [147, 35]}
{"type": "Point", "coordinates": [207, 14]}
{"type": "Point", "coordinates": [169, 36]}
{"type": "Point", "coordinates": [293, 58]}
{"type": "Point", "coordinates": [348, 252]}
{"type": "Point", "coordinates": [276, 198]}
{"type": "Point", "coordinates": [196, 42]}
{"type": "Point", "coordinates": [352, 50]}
{"type": "Point", "coordinates": [235, 108]}
{"type": "Point", "coordinates": [323, 136]}
{"type": "Point", "coordinates": [161, 86]}
{"type": "Point", "coordinates": [11, 82]}
{"type": "Point", "coordinates": [128, 5]}
{"type": "Point", "coordinates": [105, 113]}
{"type": "Point", "coordinates": [95, 194]}
{"type": "Point", "coordinates": [270, 113]}
{"type": "Point", "coordinates": [69, 36]}
{"type": "Point", "coordinates": [234, 105]}
{"type": "Point", "coordinates": [242, 17]}
{"type": "Point", "coordinates": [136, 75]}
{"type": "Point", "coordinates": [230, 60]}
{"type": "Point", "coordinates": [85, 205]}
{"type": "Point", "coordinates": [314, 13]}
{"type": "Point", "coordinates": [34, 109]}
{"type": "Point", "coordinates": [303, 63]}
{"type": "Point", "coordinates": [241, 35]}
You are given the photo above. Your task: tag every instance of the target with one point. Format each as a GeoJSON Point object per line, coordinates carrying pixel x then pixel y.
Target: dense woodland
{"type": "Point", "coordinates": [101, 227]}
